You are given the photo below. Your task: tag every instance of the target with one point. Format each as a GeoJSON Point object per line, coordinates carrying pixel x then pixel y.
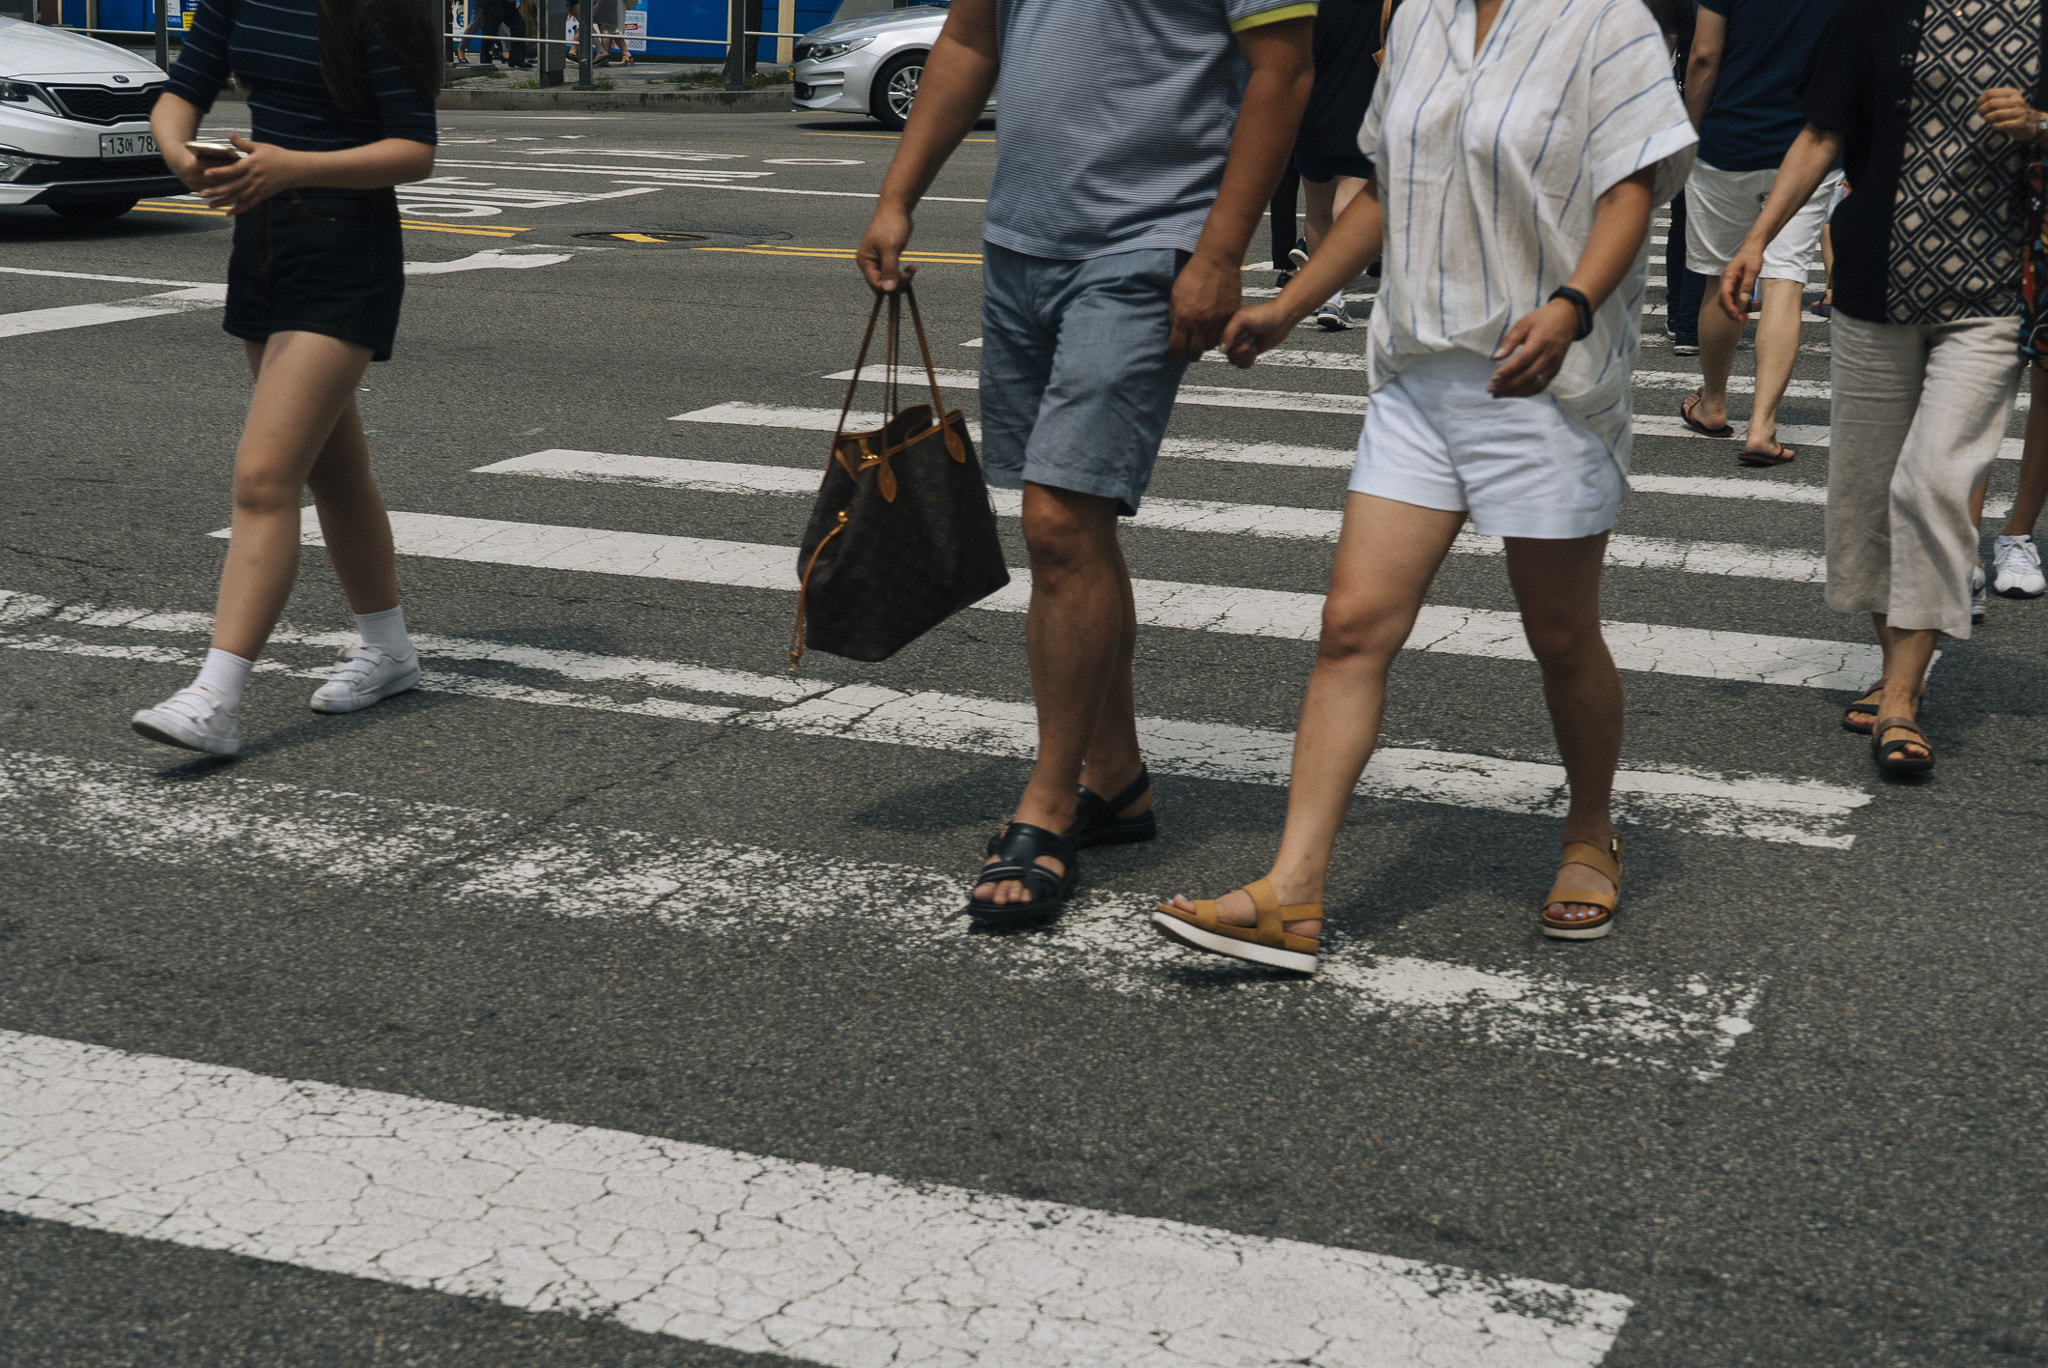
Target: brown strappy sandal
{"type": "Point", "coordinates": [1607, 864]}
{"type": "Point", "coordinates": [1891, 756]}
{"type": "Point", "coordinates": [1265, 943]}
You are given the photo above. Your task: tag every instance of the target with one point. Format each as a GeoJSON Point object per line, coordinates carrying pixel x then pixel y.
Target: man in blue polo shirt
{"type": "Point", "coordinates": [1741, 88]}
{"type": "Point", "coordinates": [1123, 198]}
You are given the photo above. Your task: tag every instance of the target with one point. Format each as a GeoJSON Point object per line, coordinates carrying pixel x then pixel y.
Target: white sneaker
{"type": "Point", "coordinates": [2017, 569]}
{"type": "Point", "coordinates": [1977, 596]}
{"type": "Point", "coordinates": [193, 718]}
{"type": "Point", "coordinates": [367, 676]}
{"type": "Point", "coordinates": [1334, 317]}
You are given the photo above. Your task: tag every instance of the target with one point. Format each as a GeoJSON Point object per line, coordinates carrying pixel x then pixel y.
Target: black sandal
{"type": "Point", "coordinates": [1016, 849]}
{"type": "Point", "coordinates": [1097, 820]}
{"type": "Point", "coordinates": [1867, 704]}
{"type": "Point", "coordinates": [1890, 755]}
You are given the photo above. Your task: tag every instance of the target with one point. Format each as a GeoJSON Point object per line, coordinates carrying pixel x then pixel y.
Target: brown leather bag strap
{"type": "Point", "coordinates": [1386, 16]}
{"type": "Point", "coordinates": [859, 363]}
{"type": "Point", "coordinates": [924, 349]}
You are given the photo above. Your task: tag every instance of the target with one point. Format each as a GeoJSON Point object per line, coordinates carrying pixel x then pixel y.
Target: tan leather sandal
{"type": "Point", "coordinates": [1606, 863]}
{"type": "Point", "coordinates": [1264, 943]}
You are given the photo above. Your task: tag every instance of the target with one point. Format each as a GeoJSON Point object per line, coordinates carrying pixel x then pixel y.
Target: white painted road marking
{"type": "Point", "coordinates": [493, 861]}
{"type": "Point", "coordinates": [186, 300]}
{"type": "Point", "coordinates": [1757, 807]}
{"type": "Point", "coordinates": [1272, 521]}
{"type": "Point", "coordinates": [749, 1252]}
{"type": "Point", "coordinates": [1217, 396]}
{"type": "Point", "coordinates": [491, 260]}
{"type": "Point", "coordinates": [1800, 662]}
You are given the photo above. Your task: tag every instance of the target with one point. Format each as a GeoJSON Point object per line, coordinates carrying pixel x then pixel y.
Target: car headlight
{"type": "Point", "coordinates": [15, 165]}
{"type": "Point", "coordinates": [26, 94]}
{"type": "Point", "coordinates": [839, 47]}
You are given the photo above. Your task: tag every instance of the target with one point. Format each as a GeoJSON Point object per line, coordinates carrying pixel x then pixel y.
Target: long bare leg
{"type": "Point", "coordinates": [1387, 555]}
{"type": "Point", "coordinates": [304, 383]}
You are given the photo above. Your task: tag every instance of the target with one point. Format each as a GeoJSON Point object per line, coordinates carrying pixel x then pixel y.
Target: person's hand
{"type": "Point", "coordinates": [185, 166]}
{"type": "Point", "coordinates": [2006, 110]}
{"type": "Point", "coordinates": [881, 247]}
{"type": "Point", "coordinates": [1255, 329]}
{"type": "Point", "coordinates": [1738, 280]}
{"type": "Point", "coordinates": [1205, 295]}
{"type": "Point", "coordinates": [1533, 351]}
{"type": "Point", "coordinates": [265, 170]}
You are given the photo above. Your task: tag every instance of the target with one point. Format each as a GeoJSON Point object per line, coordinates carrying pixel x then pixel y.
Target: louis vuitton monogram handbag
{"type": "Point", "coordinates": [903, 535]}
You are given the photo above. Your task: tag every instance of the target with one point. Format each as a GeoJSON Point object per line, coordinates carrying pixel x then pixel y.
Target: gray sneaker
{"type": "Point", "coordinates": [1334, 317]}
{"type": "Point", "coordinates": [192, 718]}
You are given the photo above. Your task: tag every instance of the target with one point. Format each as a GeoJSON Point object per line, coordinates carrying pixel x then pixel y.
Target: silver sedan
{"type": "Point", "coordinates": [869, 64]}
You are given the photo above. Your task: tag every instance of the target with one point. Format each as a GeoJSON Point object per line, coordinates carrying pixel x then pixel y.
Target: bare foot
{"type": "Point", "coordinates": [1236, 909]}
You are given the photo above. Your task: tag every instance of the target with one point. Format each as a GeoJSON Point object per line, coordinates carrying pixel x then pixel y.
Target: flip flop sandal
{"type": "Point", "coordinates": [1606, 863]}
{"type": "Point", "coordinates": [1096, 821]}
{"type": "Point", "coordinates": [1016, 849]}
{"type": "Point", "coordinates": [1890, 755]}
{"type": "Point", "coordinates": [1264, 943]}
{"type": "Point", "coordinates": [1685, 415]}
{"type": "Point", "coordinates": [1867, 704]}
{"type": "Point", "coordinates": [1784, 455]}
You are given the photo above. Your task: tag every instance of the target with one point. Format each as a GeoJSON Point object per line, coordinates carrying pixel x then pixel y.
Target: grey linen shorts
{"type": "Point", "coordinates": [1076, 383]}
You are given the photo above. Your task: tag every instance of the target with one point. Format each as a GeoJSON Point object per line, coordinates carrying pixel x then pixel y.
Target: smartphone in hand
{"type": "Point", "coordinates": [213, 153]}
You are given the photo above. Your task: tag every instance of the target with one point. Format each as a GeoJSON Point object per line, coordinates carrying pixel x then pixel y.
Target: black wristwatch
{"type": "Point", "coordinates": [1583, 305]}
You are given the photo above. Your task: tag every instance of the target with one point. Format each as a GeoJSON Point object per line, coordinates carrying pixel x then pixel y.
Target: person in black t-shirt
{"type": "Point", "coordinates": [1333, 171]}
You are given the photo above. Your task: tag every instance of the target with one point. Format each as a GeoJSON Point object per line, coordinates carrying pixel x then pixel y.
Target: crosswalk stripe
{"type": "Point", "coordinates": [1783, 810]}
{"type": "Point", "coordinates": [185, 300]}
{"type": "Point", "coordinates": [1267, 521]}
{"type": "Point", "coordinates": [1213, 396]}
{"type": "Point", "coordinates": [495, 860]}
{"type": "Point", "coordinates": [751, 1252]}
{"type": "Point", "coordinates": [1753, 658]}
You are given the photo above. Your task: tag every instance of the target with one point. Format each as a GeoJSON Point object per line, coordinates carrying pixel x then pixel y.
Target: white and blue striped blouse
{"type": "Point", "coordinates": [1488, 169]}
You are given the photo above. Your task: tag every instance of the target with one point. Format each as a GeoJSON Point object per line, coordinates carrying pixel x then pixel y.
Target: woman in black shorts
{"type": "Point", "coordinates": [341, 109]}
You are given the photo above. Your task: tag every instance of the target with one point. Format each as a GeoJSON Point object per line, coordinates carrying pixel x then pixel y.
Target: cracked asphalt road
{"type": "Point", "coordinates": [1854, 1181]}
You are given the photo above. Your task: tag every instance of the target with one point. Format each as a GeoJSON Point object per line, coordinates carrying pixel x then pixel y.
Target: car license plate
{"type": "Point", "coordinates": [127, 145]}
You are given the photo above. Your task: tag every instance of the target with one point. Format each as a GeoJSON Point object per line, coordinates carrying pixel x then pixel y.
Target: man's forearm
{"type": "Point", "coordinates": [1701, 73]}
{"type": "Point", "coordinates": [1267, 119]}
{"type": "Point", "coordinates": [1807, 162]}
{"type": "Point", "coordinates": [958, 79]}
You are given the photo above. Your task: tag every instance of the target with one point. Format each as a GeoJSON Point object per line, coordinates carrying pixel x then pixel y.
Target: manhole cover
{"type": "Point", "coordinates": [635, 235]}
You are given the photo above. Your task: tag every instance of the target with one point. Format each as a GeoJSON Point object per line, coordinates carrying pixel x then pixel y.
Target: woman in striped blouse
{"type": "Point", "coordinates": [1518, 147]}
{"type": "Point", "coordinates": [341, 109]}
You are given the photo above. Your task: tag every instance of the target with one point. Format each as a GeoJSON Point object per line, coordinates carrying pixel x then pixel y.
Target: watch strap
{"type": "Point", "coordinates": [1581, 305]}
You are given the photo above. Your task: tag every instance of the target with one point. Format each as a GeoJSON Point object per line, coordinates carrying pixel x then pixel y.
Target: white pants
{"type": "Point", "coordinates": [1435, 438]}
{"type": "Point", "coordinates": [1918, 412]}
{"type": "Point", "coordinates": [1721, 207]}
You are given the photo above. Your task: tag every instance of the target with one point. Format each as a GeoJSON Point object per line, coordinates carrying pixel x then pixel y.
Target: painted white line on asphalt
{"type": "Point", "coordinates": [1753, 658]}
{"type": "Point", "coordinates": [1214, 396]}
{"type": "Point", "coordinates": [1269, 521]}
{"type": "Point", "coordinates": [186, 300]}
{"type": "Point", "coordinates": [703, 184]}
{"type": "Point", "coordinates": [750, 1252]}
{"type": "Point", "coordinates": [498, 861]}
{"type": "Point", "coordinates": [1181, 448]}
{"type": "Point", "coordinates": [1304, 360]}
{"type": "Point", "coordinates": [492, 260]}
{"type": "Point", "coordinates": [86, 275]}
{"type": "Point", "coordinates": [1750, 806]}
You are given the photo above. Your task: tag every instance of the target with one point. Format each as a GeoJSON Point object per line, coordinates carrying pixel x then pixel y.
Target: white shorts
{"type": "Point", "coordinates": [1721, 207]}
{"type": "Point", "coordinates": [1435, 438]}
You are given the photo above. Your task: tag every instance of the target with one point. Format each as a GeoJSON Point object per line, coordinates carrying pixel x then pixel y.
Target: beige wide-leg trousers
{"type": "Point", "coordinates": [1917, 416]}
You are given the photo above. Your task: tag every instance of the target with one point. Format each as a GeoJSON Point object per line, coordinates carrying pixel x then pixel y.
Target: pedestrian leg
{"type": "Point", "coordinates": [1557, 585]}
{"type": "Point", "coordinates": [2016, 561]}
{"type": "Point", "coordinates": [1777, 347]}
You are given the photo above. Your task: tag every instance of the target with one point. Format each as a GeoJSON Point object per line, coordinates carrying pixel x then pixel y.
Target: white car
{"type": "Point", "coordinates": [74, 123]}
{"type": "Point", "coordinates": [868, 64]}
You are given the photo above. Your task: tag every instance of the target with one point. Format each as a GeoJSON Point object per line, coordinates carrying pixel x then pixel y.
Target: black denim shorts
{"type": "Point", "coordinates": [320, 261]}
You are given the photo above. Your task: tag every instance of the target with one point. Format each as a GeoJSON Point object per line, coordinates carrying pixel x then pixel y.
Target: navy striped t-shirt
{"type": "Point", "coordinates": [274, 46]}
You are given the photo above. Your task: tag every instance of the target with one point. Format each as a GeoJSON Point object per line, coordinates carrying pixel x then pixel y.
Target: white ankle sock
{"type": "Point", "coordinates": [224, 675]}
{"type": "Point", "coordinates": [385, 631]}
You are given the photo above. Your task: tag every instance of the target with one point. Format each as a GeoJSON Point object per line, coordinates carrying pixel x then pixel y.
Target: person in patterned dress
{"type": "Point", "coordinates": [1922, 102]}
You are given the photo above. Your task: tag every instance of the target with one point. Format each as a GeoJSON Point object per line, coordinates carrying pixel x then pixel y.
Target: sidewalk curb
{"type": "Point", "coordinates": [775, 101]}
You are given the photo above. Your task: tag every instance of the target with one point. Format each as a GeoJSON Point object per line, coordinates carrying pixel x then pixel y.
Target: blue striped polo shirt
{"type": "Point", "coordinates": [1115, 119]}
{"type": "Point", "coordinates": [274, 46]}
